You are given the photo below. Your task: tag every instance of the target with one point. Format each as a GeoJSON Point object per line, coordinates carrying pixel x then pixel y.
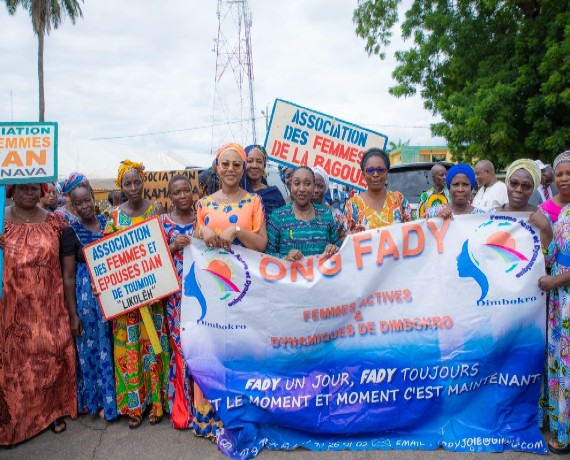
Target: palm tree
{"type": "Point", "coordinates": [393, 146]}
{"type": "Point", "coordinates": [45, 14]}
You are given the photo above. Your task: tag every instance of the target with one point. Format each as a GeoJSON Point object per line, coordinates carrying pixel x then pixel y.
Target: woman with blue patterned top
{"type": "Point", "coordinates": [95, 373]}
{"type": "Point", "coordinates": [302, 228]}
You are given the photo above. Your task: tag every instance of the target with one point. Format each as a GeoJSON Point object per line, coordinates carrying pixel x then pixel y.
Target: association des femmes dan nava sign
{"type": "Point", "coordinates": [28, 152]}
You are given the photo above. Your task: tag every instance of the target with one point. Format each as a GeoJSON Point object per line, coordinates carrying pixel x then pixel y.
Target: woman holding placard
{"type": "Point", "coordinates": [178, 226]}
{"type": "Point", "coordinates": [37, 361]}
{"type": "Point", "coordinates": [230, 216]}
{"type": "Point", "coordinates": [140, 373]}
{"type": "Point", "coordinates": [95, 375]}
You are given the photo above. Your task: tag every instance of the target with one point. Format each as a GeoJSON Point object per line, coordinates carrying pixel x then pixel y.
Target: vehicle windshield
{"type": "Point", "coordinates": [411, 183]}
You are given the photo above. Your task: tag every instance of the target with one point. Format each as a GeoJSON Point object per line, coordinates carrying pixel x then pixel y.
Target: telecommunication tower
{"type": "Point", "coordinates": [233, 113]}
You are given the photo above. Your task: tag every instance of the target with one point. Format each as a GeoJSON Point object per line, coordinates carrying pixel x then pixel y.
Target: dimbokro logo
{"type": "Point", "coordinates": [505, 245]}
{"type": "Point", "coordinates": [225, 277]}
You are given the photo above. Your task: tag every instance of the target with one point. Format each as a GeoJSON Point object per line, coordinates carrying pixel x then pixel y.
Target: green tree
{"type": "Point", "coordinates": [45, 14]}
{"type": "Point", "coordinates": [496, 72]}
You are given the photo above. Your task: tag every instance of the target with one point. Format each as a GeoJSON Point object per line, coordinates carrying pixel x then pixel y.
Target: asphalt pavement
{"type": "Point", "coordinates": [89, 437]}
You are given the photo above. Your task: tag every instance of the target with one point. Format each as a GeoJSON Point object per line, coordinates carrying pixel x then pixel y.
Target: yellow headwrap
{"type": "Point", "coordinates": [232, 146]}
{"type": "Point", "coordinates": [125, 167]}
{"type": "Point", "coordinates": [528, 165]}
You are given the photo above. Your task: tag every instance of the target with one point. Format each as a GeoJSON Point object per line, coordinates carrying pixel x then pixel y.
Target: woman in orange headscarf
{"type": "Point", "coordinates": [140, 373]}
{"type": "Point", "coordinates": [228, 216]}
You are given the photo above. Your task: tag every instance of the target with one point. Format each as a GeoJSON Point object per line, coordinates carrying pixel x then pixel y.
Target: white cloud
{"type": "Point", "coordinates": [135, 67]}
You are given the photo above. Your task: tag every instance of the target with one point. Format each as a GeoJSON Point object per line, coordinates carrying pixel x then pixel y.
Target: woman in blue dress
{"type": "Point", "coordinates": [95, 374]}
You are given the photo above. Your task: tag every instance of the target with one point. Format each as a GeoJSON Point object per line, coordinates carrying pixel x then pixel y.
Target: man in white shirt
{"type": "Point", "coordinates": [492, 192]}
{"type": "Point", "coordinates": [546, 190]}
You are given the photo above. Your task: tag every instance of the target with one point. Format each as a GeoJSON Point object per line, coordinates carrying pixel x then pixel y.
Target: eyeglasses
{"type": "Point", "coordinates": [525, 186]}
{"type": "Point", "coordinates": [371, 170]}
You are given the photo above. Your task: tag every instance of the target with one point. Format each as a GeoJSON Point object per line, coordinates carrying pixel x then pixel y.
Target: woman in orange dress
{"type": "Point", "coordinates": [377, 206]}
{"type": "Point", "coordinates": [37, 361]}
{"type": "Point", "coordinates": [229, 216]}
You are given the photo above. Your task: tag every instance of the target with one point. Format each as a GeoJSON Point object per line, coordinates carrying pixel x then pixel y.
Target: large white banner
{"type": "Point", "coordinates": [413, 336]}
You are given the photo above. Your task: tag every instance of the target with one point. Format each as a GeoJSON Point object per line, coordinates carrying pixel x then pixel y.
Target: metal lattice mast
{"type": "Point", "coordinates": [233, 113]}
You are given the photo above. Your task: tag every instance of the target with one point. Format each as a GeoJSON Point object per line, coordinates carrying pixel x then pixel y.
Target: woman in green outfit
{"type": "Point", "coordinates": [302, 228]}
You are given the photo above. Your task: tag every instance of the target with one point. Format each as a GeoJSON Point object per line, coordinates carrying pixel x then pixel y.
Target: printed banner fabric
{"type": "Point", "coordinates": [413, 336]}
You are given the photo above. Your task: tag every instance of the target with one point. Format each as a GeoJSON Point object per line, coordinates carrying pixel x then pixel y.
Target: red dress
{"type": "Point", "coordinates": [37, 355]}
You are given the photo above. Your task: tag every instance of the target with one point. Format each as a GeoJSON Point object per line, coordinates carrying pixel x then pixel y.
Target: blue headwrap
{"type": "Point", "coordinates": [249, 148]}
{"type": "Point", "coordinates": [460, 168]}
{"type": "Point", "coordinates": [73, 179]}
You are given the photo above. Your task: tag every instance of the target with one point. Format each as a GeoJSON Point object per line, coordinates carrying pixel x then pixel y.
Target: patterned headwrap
{"type": "Point", "coordinates": [321, 172]}
{"type": "Point", "coordinates": [249, 148]}
{"type": "Point", "coordinates": [10, 190]}
{"type": "Point", "coordinates": [460, 168]}
{"type": "Point", "coordinates": [125, 167]}
{"type": "Point", "coordinates": [231, 146]}
{"type": "Point", "coordinates": [529, 166]}
{"type": "Point", "coordinates": [562, 158]}
{"type": "Point", "coordinates": [72, 180]}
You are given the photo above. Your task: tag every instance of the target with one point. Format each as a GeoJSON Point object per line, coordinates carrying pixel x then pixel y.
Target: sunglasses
{"type": "Point", "coordinates": [371, 170]}
{"type": "Point", "coordinates": [525, 186]}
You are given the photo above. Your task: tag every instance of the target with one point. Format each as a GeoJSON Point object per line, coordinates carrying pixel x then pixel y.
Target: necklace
{"type": "Point", "coordinates": [304, 215]}
{"type": "Point", "coordinates": [233, 197]}
{"type": "Point", "coordinates": [22, 218]}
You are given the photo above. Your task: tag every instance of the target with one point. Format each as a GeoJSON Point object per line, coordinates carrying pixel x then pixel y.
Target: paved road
{"type": "Point", "coordinates": [92, 438]}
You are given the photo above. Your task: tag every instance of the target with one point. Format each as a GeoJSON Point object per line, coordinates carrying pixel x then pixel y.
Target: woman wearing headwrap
{"type": "Point", "coordinates": [37, 377]}
{"type": "Point", "coordinates": [321, 187]}
{"type": "Point", "coordinates": [230, 216]}
{"type": "Point", "coordinates": [140, 373]}
{"type": "Point", "coordinates": [460, 180]}
{"type": "Point", "coordinates": [67, 211]}
{"type": "Point", "coordinates": [377, 206]}
{"type": "Point", "coordinates": [522, 179]}
{"type": "Point", "coordinates": [553, 206]}
{"type": "Point", "coordinates": [286, 173]}
{"type": "Point", "coordinates": [255, 171]}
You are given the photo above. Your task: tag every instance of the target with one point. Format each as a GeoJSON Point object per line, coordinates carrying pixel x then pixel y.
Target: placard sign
{"type": "Point", "coordinates": [28, 153]}
{"type": "Point", "coordinates": [156, 185]}
{"type": "Point", "coordinates": [131, 268]}
{"type": "Point", "coordinates": [301, 136]}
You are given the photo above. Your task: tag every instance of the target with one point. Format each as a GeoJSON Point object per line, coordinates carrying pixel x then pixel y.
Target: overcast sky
{"type": "Point", "coordinates": [135, 67]}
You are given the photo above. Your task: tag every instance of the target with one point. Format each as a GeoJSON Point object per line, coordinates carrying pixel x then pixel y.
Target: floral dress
{"type": "Point", "coordinates": [555, 403]}
{"type": "Point", "coordinates": [179, 386]}
{"type": "Point", "coordinates": [395, 209]}
{"type": "Point", "coordinates": [140, 374]}
{"type": "Point", "coordinates": [95, 373]}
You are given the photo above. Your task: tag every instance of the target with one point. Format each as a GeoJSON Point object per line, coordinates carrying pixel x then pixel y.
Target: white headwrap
{"type": "Point", "coordinates": [321, 172]}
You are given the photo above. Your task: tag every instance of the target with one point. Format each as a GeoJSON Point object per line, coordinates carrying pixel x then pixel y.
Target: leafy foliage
{"type": "Point", "coordinates": [496, 72]}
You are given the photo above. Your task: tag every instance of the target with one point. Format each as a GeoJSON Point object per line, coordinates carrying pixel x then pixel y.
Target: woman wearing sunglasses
{"type": "Point", "coordinates": [522, 179]}
{"type": "Point", "coordinates": [377, 206]}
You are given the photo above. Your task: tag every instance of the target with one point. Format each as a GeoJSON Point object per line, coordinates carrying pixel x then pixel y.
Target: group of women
{"type": "Point", "coordinates": [48, 304]}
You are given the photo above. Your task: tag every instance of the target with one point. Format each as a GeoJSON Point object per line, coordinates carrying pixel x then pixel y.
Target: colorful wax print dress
{"type": "Point", "coordinates": [556, 402]}
{"type": "Point", "coordinates": [140, 374]}
{"type": "Point", "coordinates": [180, 385]}
{"type": "Point", "coordinates": [395, 209]}
{"type": "Point", "coordinates": [95, 373]}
